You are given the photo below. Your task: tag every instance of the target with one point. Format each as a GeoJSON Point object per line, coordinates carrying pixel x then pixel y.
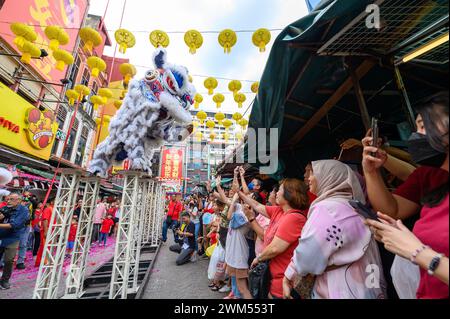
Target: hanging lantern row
{"type": "Point", "coordinates": [193, 39]}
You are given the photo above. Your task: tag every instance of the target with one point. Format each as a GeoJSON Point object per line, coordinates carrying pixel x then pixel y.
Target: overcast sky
{"type": "Point", "coordinates": [245, 61]}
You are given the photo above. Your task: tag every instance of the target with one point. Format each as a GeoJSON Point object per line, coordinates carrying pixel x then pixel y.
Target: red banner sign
{"type": "Point", "coordinates": [68, 14]}
{"type": "Point", "coordinates": [172, 163]}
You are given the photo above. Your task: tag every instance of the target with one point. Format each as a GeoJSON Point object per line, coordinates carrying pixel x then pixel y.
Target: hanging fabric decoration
{"type": "Point", "coordinates": [255, 87]}
{"type": "Point", "coordinates": [91, 38]}
{"type": "Point", "coordinates": [62, 58]}
{"type": "Point", "coordinates": [125, 39]}
{"type": "Point", "coordinates": [202, 116]}
{"type": "Point", "coordinates": [261, 38]}
{"type": "Point", "coordinates": [23, 33]}
{"type": "Point", "coordinates": [29, 50]}
{"type": "Point", "coordinates": [211, 125]}
{"type": "Point", "coordinates": [159, 38]}
{"type": "Point", "coordinates": [237, 117]}
{"type": "Point", "coordinates": [194, 40]}
{"type": "Point", "coordinates": [243, 123]}
{"type": "Point", "coordinates": [227, 39]}
{"type": "Point", "coordinates": [240, 98]}
{"type": "Point", "coordinates": [235, 86]}
{"type": "Point", "coordinates": [98, 100]}
{"type": "Point", "coordinates": [128, 71]}
{"type": "Point", "coordinates": [219, 117]}
{"type": "Point", "coordinates": [198, 99]}
{"type": "Point", "coordinates": [105, 93]}
{"type": "Point", "coordinates": [82, 90]}
{"type": "Point", "coordinates": [96, 65]}
{"type": "Point", "coordinates": [212, 136]}
{"type": "Point", "coordinates": [211, 84]}
{"type": "Point", "coordinates": [219, 99]}
{"type": "Point", "coordinates": [118, 104]}
{"type": "Point", "coordinates": [72, 95]}
{"type": "Point", "coordinates": [227, 124]}
{"type": "Point", "coordinates": [57, 36]}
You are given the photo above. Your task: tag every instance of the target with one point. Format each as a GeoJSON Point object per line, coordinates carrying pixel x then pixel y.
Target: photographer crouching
{"type": "Point", "coordinates": [14, 219]}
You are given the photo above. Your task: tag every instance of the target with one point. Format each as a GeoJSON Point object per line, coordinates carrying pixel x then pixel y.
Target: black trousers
{"type": "Point", "coordinates": [37, 242]}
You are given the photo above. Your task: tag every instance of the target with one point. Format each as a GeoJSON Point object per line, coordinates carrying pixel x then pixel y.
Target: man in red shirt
{"type": "Point", "coordinates": [173, 214]}
{"type": "Point", "coordinates": [45, 223]}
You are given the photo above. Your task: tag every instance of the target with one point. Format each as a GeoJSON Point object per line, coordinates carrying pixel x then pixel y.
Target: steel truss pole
{"type": "Point", "coordinates": [150, 210]}
{"type": "Point", "coordinates": [49, 274]}
{"type": "Point", "coordinates": [77, 270]}
{"type": "Point", "coordinates": [148, 198]}
{"type": "Point", "coordinates": [154, 231]}
{"type": "Point", "coordinates": [122, 257]}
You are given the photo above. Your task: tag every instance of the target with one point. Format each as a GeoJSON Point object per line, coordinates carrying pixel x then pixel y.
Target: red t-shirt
{"type": "Point", "coordinates": [422, 181]}
{"type": "Point", "coordinates": [264, 198]}
{"type": "Point", "coordinates": [106, 225]}
{"type": "Point", "coordinates": [213, 238]}
{"type": "Point", "coordinates": [175, 209]}
{"type": "Point", "coordinates": [432, 230]}
{"type": "Point", "coordinates": [73, 232]}
{"type": "Point", "coordinates": [37, 218]}
{"type": "Point", "coordinates": [47, 214]}
{"type": "Point", "coordinates": [288, 227]}
{"type": "Point", "coordinates": [112, 211]}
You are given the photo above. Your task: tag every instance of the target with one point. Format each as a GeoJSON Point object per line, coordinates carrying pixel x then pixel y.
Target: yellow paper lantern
{"type": "Point", "coordinates": [211, 84]}
{"type": "Point", "coordinates": [212, 136]}
{"type": "Point", "coordinates": [240, 98]}
{"type": "Point", "coordinates": [227, 39]}
{"type": "Point", "coordinates": [82, 90]}
{"type": "Point", "coordinates": [191, 79]}
{"type": "Point", "coordinates": [261, 38]}
{"type": "Point", "coordinates": [199, 136]}
{"type": "Point", "coordinates": [198, 99]}
{"type": "Point", "coordinates": [239, 136]}
{"type": "Point", "coordinates": [62, 58]}
{"type": "Point", "coordinates": [237, 116]}
{"type": "Point", "coordinates": [57, 36]}
{"type": "Point", "coordinates": [125, 39]}
{"type": "Point", "coordinates": [118, 104]}
{"type": "Point", "coordinates": [23, 33]}
{"type": "Point", "coordinates": [227, 124]}
{"type": "Point", "coordinates": [29, 50]}
{"type": "Point", "coordinates": [72, 95]}
{"type": "Point", "coordinates": [128, 71]}
{"type": "Point", "coordinates": [106, 93]}
{"type": "Point", "coordinates": [202, 116]}
{"type": "Point", "coordinates": [211, 125]}
{"type": "Point", "coordinates": [98, 121]}
{"type": "Point", "coordinates": [107, 118]}
{"type": "Point", "coordinates": [159, 38]}
{"type": "Point", "coordinates": [219, 117]}
{"type": "Point", "coordinates": [194, 40]}
{"type": "Point", "coordinates": [255, 87]}
{"type": "Point", "coordinates": [98, 100]}
{"type": "Point", "coordinates": [235, 86]}
{"type": "Point", "coordinates": [96, 65]}
{"type": "Point", "coordinates": [219, 99]}
{"type": "Point", "coordinates": [243, 123]}
{"type": "Point", "coordinates": [226, 136]}
{"type": "Point", "coordinates": [91, 38]}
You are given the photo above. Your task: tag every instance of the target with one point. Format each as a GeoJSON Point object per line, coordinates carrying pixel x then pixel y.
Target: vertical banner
{"type": "Point", "coordinates": [172, 163]}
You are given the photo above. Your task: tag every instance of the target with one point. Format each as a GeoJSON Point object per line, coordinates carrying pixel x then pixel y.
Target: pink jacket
{"type": "Point", "coordinates": [100, 213]}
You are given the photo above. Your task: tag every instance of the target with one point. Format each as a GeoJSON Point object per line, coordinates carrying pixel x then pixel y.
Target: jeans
{"type": "Point", "coordinates": [197, 230]}
{"type": "Point", "coordinates": [234, 288]}
{"type": "Point", "coordinates": [185, 254]}
{"type": "Point", "coordinates": [23, 245]}
{"type": "Point", "coordinates": [166, 226]}
{"type": "Point", "coordinates": [103, 237]}
{"type": "Point", "coordinates": [9, 253]}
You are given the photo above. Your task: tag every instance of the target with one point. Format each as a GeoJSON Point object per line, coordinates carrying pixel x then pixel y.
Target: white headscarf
{"type": "Point", "coordinates": [336, 180]}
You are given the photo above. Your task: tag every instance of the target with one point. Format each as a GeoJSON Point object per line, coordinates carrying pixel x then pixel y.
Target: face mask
{"type": "Point", "coordinates": [251, 186]}
{"type": "Point", "coordinates": [422, 153]}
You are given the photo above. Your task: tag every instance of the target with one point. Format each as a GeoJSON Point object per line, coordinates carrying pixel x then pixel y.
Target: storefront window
{"type": "Point", "coordinates": [70, 144]}
{"type": "Point", "coordinates": [81, 151]}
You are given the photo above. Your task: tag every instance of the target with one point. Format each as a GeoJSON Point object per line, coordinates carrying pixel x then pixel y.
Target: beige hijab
{"type": "Point", "coordinates": [335, 180]}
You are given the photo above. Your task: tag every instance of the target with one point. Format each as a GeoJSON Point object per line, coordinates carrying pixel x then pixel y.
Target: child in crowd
{"type": "Point", "coordinates": [107, 224]}
{"type": "Point", "coordinates": [72, 235]}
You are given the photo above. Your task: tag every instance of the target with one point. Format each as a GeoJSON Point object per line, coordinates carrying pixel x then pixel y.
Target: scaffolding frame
{"type": "Point", "coordinates": [77, 268]}
{"type": "Point", "coordinates": [52, 261]}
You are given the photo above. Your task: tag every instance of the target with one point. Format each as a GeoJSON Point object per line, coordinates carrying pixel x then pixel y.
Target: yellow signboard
{"type": "Point", "coordinates": [24, 127]}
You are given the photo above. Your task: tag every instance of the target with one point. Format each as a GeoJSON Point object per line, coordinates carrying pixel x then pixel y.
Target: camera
{"type": "Point", "coordinates": [6, 211]}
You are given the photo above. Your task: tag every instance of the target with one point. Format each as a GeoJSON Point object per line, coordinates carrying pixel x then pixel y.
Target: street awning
{"type": "Point", "coordinates": [308, 88]}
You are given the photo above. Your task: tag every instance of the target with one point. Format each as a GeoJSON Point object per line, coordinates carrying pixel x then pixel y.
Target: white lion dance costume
{"type": "Point", "coordinates": [149, 115]}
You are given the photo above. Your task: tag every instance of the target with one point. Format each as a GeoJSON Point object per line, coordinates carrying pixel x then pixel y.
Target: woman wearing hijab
{"type": "Point", "coordinates": [336, 246]}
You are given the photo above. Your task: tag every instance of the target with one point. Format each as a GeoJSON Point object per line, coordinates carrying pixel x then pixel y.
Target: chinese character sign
{"type": "Point", "coordinates": [172, 163]}
{"type": "Point", "coordinates": [68, 14]}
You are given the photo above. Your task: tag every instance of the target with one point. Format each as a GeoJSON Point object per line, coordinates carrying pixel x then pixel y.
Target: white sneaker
{"type": "Point", "coordinates": [225, 289]}
{"type": "Point", "coordinates": [194, 258]}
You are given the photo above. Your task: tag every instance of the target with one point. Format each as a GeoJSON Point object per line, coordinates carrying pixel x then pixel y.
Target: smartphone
{"type": "Point", "coordinates": [375, 133]}
{"type": "Point", "coordinates": [294, 294]}
{"type": "Point", "coordinates": [363, 210]}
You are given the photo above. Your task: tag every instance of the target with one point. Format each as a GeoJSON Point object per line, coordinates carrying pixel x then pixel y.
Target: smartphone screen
{"type": "Point", "coordinates": [375, 133]}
